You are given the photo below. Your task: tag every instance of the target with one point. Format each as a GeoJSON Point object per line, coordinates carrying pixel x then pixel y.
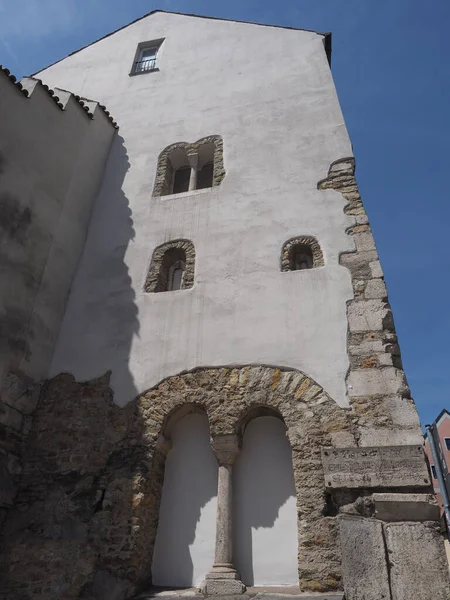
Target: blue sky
{"type": "Point", "coordinates": [391, 64]}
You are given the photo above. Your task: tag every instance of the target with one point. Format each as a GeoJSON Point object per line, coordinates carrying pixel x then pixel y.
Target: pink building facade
{"type": "Point", "coordinates": [443, 430]}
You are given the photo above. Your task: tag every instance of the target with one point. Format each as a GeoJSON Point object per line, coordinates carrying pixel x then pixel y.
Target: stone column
{"type": "Point", "coordinates": [193, 161]}
{"type": "Point", "coordinates": [223, 577]}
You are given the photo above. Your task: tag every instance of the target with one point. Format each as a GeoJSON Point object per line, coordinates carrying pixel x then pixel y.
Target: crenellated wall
{"type": "Point", "coordinates": [53, 151]}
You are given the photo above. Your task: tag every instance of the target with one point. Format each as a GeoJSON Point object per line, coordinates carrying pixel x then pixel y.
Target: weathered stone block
{"type": "Point", "coordinates": [363, 559]}
{"type": "Point", "coordinates": [375, 288]}
{"type": "Point", "coordinates": [406, 507]}
{"type": "Point", "coordinates": [386, 436]}
{"type": "Point", "coordinates": [364, 241]}
{"type": "Point", "coordinates": [403, 412]}
{"type": "Point", "coordinates": [367, 315]}
{"type": "Point", "coordinates": [418, 566]}
{"type": "Point", "coordinates": [375, 269]}
{"type": "Point", "coordinates": [394, 466]}
{"type": "Point", "coordinates": [386, 381]}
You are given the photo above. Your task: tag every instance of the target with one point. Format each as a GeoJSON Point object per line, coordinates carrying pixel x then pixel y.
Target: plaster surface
{"type": "Point", "coordinates": [51, 167]}
{"type": "Point", "coordinates": [271, 97]}
{"type": "Point", "coordinates": [265, 532]}
{"type": "Point", "coordinates": [185, 541]}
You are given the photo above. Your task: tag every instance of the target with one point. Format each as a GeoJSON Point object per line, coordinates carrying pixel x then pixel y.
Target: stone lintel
{"type": "Point", "coordinates": [406, 507]}
{"type": "Point", "coordinates": [380, 466]}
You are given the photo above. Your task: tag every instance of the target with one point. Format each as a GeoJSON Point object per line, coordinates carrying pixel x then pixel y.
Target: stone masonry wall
{"type": "Point", "coordinates": [85, 519]}
{"type": "Point", "coordinates": [19, 396]}
{"type": "Point", "coordinates": [384, 413]}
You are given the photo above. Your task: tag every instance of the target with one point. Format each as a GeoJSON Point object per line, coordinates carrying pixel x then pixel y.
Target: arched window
{"type": "Point", "coordinates": [301, 253]}
{"type": "Point", "coordinates": [172, 267]}
{"type": "Point", "coordinates": [184, 167]}
{"type": "Point", "coordinates": [302, 257]}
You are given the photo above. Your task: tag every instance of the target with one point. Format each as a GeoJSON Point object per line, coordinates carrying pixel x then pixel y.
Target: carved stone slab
{"type": "Point", "coordinates": [383, 466]}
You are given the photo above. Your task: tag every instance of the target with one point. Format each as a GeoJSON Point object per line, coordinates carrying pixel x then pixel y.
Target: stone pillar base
{"type": "Point", "coordinates": [222, 583]}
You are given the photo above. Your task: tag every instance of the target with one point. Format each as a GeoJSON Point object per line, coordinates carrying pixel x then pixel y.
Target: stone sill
{"type": "Point", "coordinates": [134, 74]}
{"type": "Point", "coordinates": [184, 194]}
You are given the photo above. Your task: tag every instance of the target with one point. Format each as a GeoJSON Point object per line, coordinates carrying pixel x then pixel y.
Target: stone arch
{"type": "Point", "coordinates": [188, 154]}
{"type": "Point", "coordinates": [307, 243]}
{"type": "Point", "coordinates": [118, 489]}
{"type": "Point", "coordinates": [228, 395]}
{"type": "Point", "coordinates": [165, 257]}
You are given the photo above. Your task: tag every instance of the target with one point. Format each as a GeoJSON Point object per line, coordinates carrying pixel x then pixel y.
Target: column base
{"type": "Point", "coordinates": [222, 582]}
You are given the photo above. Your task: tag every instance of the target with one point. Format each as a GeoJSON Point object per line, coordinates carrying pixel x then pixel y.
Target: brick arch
{"type": "Point", "coordinates": [164, 169]}
{"type": "Point", "coordinates": [287, 252]}
{"type": "Point", "coordinates": [164, 256]}
{"type": "Point", "coordinates": [229, 396]}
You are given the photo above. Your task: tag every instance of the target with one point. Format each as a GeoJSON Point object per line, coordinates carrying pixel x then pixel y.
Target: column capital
{"type": "Point", "coordinates": [193, 159]}
{"type": "Point", "coordinates": [226, 448]}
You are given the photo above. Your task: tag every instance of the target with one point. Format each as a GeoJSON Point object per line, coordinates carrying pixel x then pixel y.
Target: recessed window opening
{"type": "Point", "coordinates": [447, 442]}
{"type": "Point", "coordinates": [433, 471]}
{"type": "Point", "coordinates": [172, 267]}
{"type": "Point", "coordinates": [176, 274]}
{"type": "Point", "coordinates": [302, 258]}
{"type": "Point", "coordinates": [181, 180]}
{"type": "Point", "coordinates": [184, 167]}
{"type": "Point", "coordinates": [205, 177]}
{"type": "Point", "coordinates": [146, 57]}
{"type": "Point", "coordinates": [301, 253]}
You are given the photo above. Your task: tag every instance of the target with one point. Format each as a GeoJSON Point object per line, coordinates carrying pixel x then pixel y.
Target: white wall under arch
{"type": "Point", "coordinates": [184, 548]}
{"type": "Point", "coordinates": [265, 515]}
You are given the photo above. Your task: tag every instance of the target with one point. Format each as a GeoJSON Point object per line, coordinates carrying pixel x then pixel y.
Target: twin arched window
{"type": "Point", "coordinates": [184, 167]}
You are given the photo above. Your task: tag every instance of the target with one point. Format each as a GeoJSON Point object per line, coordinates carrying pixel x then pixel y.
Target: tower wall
{"type": "Point", "coordinates": [269, 94]}
{"type": "Point", "coordinates": [245, 338]}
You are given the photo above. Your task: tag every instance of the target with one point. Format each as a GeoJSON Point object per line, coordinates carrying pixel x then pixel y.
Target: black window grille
{"type": "Point", "coordinates": [147, 64]}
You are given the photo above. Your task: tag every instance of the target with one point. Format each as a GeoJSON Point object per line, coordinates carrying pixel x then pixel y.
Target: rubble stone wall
{"type": "Point", "coordinates": [87, 511]}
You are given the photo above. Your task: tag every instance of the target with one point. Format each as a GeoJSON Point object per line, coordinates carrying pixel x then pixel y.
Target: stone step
{"type": "Point", "coordinates": [250, 594]}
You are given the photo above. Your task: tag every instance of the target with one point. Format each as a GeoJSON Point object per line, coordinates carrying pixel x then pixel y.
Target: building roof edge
{"type": "Point", "coordinates": [326, 35]}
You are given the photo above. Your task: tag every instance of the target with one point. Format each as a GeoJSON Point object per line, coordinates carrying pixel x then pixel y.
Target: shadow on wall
{"type": "Point", "coordinates": [188, 507]}
{"type": "Point", "coordinates": [103, 289]}
{"type": "Point", "coordinates": [68, 526]}
{"type": "Point", "coordinates": [265, 523]}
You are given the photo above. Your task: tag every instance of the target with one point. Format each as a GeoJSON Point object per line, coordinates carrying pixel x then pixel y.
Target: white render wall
{"type": "Point", "coordinates": [185, 540]}
{"type": "Point", "coordinates": [269, 93]}
{"type": "Point", "coordinates": [265, 510]}
{"type": "Point", "coordinates": [51, 168]}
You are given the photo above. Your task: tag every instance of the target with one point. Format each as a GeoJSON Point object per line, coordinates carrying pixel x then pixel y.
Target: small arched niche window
{"type": "Point", "coordinates": [184, 167]}
{"type": "Point", "coordinates": [172, 267]}
{"type": "Point", "coordinates": [301, 253]}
